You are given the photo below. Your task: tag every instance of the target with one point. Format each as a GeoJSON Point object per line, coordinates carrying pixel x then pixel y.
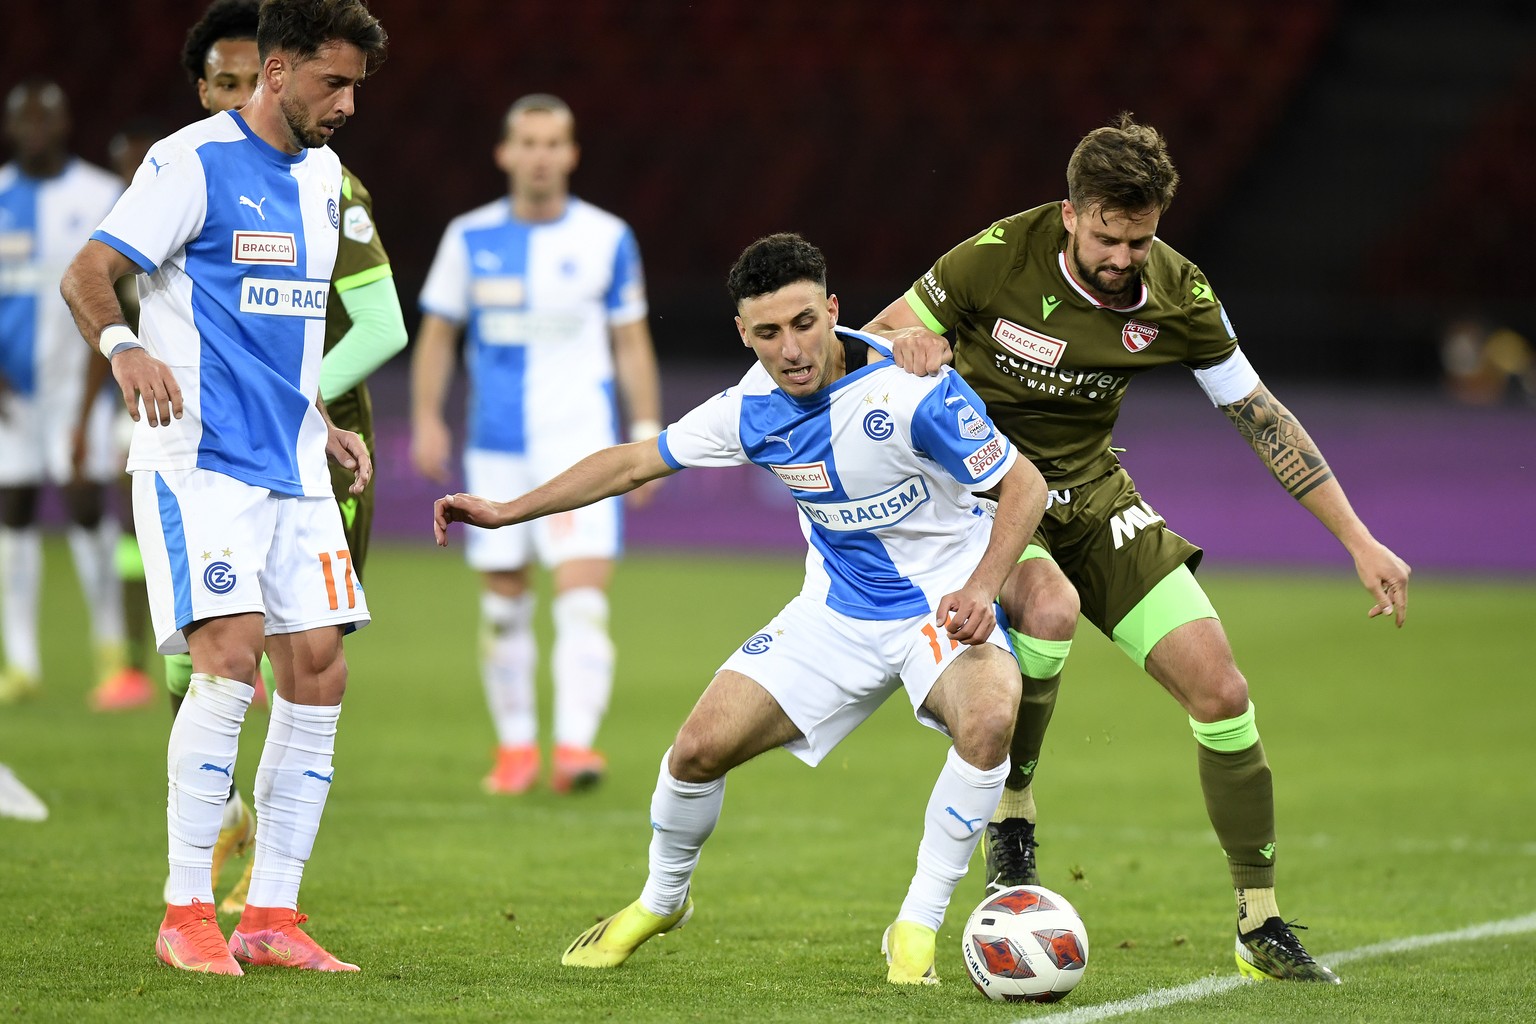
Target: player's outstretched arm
{"type": "Point", "coordinates": [603, 474]}
{"type": "Point", "coordinates": [914, 347]}
{"type": "Point", "coordinates": [87, 287]}
{"type": "Point", "coordinates": [967, 613]}
{"type": "Point", "coordinates": [1291, 455]}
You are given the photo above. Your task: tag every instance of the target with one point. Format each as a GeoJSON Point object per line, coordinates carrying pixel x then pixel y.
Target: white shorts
{"type": "Point", "coordinates": [830, 672]}
{"type": "Point", "coordinates": [214, 546]}
{"type": "Point", "coordinates": [36, 432]}
{"type": "Point", "coordinates": [591, 532]}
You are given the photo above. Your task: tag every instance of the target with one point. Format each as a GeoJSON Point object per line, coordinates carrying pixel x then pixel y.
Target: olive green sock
{"type": "Point", "coordinates": [1239, 797]}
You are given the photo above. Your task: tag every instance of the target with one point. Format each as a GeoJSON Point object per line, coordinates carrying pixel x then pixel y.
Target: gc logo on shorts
{"type": "Point", "coordinates": [219, 577]}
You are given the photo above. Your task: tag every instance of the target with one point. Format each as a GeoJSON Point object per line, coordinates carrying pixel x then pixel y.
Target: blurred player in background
{"type": "Point", "coordinates": [549, 292]}
{"type": "Point", "coordinates": [898, 591]}
{"type": "Point", "coordinates": [1054, 311]}
{"type": "Point", "coordinates": [131, 687]}
{"type": "Point", "coordinates": [242, 539]}
{"type": "Point", "coordinates": [49, 202]}
{"type": "Point", "coordinates": [363, 329]}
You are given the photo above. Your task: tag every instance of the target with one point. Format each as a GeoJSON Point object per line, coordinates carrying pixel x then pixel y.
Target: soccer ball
{"type": "Point", "coordinates": [1025, 945]}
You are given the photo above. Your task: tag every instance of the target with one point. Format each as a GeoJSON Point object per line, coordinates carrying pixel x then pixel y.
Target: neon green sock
{"type": "Point", "coordinates": [178, 673]}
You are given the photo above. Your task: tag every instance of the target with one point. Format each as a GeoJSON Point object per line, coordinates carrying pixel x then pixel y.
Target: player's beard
{"type": "Point", "coordinates": [1109, 289]}
{"type": "Point", "coordinates": [301, 126]}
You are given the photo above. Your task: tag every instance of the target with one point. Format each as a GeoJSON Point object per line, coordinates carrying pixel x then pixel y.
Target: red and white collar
{"type": "Point", "coordinates": [1066, 272]}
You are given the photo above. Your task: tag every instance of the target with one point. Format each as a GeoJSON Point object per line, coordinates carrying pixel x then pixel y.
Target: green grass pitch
{"type": "Point", "coordinates": [1404, 786]}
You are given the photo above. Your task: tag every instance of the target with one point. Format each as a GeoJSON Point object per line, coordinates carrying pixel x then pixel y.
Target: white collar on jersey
{"type": "Point", "coordinates": [1066, 272]}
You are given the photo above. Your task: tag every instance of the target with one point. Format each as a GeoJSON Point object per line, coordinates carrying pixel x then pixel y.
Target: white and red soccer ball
{"type": "Point", "coordinates": [1025, 944]}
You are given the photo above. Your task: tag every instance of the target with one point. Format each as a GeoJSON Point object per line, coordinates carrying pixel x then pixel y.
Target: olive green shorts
{"type": "Point", "coordinates": [1117, 550]}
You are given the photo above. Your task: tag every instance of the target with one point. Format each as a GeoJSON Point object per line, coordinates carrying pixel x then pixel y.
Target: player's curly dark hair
{"type": "Point", "coordinates": [1123, 166]}
{"type": "Point", "coordinates": [772, 262]}
{"type": "Point", "coordinates": [224, 19]}
{"type": "Point", "coordinates": [302, 27]}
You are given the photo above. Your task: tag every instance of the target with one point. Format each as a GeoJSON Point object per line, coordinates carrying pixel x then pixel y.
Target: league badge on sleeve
{"type": "Point", "coordinates": [972, 424]}
{"type": "Point", "coordinates": [357, 225]}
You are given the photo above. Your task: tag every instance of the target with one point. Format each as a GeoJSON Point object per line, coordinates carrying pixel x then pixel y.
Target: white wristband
{"type": "Point", "coordinates": [117, 335]}
{"type": "Point", "coordinates": [644, 430]}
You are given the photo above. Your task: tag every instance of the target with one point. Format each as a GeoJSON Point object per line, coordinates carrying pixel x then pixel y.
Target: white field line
{"type": "Point", "coordinates": [1206, 987]}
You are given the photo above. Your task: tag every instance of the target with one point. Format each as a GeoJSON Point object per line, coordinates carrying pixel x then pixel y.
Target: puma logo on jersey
{"type": "Point", "coordinates": [246, 201]}
{"type": "Point", "coordinates": [784, 440]}
{"type": "Point", "coordinates": [157, 165]}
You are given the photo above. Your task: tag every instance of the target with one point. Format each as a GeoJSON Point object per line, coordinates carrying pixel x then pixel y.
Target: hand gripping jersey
{"type": "Point", "coordinates": [43, 223]}
{"type": "Point", "coordinates": [882, 464]}
{"type": "Point", "coordinates": [236, 241]}
{"type": "Point", "coordinates": [1050, 361]}
{"type": "Point", "coordinates": [536, 301]}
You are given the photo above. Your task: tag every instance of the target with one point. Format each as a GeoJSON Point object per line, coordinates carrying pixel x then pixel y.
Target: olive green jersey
{"type": "Point", "coordinates": [1050, 361]}
{"type": "Point", "coordinates": [360, 260]}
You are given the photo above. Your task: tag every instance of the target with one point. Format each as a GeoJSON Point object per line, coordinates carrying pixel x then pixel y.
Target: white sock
{"type": "Point", "coordinates": [292, 782]}
{"type": "Point", "coordinates": [583, 664]}
{"type": "Point", "coordinates": [200, 761]}
{"type": "Point", "coordinates": [507, 659]}
{"type": "Point", "coordinates": [21, 576]}
{"type": "Point", "coordinates": [95, 554]}
{"type": "Point", "coordinates": [683, 814]}
{"type": "Point", "coordinates": [962, 803]}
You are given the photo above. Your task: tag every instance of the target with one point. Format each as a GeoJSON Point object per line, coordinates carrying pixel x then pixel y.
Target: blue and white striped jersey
{"type": "Point", "coordinates": [536, 301]}
{"type": "Point", "coordinates": [43, 223]}
{"type": "Point", "coordinates": [236, 241]}
{"type": "Point", "coordinates": [882, 464]}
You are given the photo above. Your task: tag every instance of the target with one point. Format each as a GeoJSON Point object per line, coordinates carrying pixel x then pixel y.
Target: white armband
{"type": "Point", "coordinates": [1230, 380]}
{"type": "Point", "coordinates": [117, 338]}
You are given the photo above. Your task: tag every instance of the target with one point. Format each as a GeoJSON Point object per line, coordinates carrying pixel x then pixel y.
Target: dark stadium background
{"type": "Point", "coordinates": [1357, 176]}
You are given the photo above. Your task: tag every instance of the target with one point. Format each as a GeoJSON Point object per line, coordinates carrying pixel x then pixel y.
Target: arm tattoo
{"type": "Point", "coordinates": [1281, 441]}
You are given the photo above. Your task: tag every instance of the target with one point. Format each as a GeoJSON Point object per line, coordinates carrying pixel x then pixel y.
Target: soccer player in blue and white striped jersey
{"type": "Point", "coordinates": [901, 577]}
{"type": "Point", "coordinates": [232, 226]}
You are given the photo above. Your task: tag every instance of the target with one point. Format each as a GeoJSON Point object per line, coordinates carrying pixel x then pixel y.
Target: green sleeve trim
{"type": "Point", "coordinates": [362, 277]}
{"type": "Point", "coordinates": [376, 334]}
{"type": "Point", "coordinates": [1230, 735]}
{"type": "Point", "coordinates": [929, 320]}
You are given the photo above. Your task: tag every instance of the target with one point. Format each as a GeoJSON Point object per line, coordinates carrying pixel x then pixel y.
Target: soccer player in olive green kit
{"type": "Point", "coordinates": [363, 329]}
{"type": "Point", "coordinates": [1053, 312]}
